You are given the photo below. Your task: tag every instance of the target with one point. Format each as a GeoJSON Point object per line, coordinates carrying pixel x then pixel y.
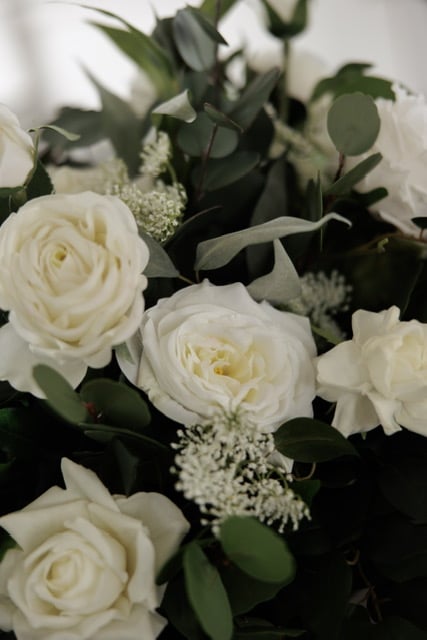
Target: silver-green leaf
{"type": "Point", "coordinates": [178, 107]}
{"type": "Point", "coordinates": [282, 284]}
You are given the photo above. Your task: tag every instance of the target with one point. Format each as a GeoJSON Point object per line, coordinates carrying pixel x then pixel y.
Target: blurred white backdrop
{"type": "Point", "coordinates": [45, 45]}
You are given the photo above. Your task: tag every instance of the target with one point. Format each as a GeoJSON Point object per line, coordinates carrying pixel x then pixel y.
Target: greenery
{"type": "Point", "coordinates": [357, 568]}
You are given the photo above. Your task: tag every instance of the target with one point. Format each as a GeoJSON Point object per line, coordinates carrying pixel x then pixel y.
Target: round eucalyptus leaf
{"type": "Point", "coordinates": [353, 123]}
{"type": "Point", "coordinates": [194, 138]}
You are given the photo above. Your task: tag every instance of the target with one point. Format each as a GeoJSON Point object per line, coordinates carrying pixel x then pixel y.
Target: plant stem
{"type": "Point", "coordinates": [204, 168]}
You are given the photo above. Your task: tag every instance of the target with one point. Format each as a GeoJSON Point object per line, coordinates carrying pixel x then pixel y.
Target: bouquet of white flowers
{"type": "Point", "coordinates": [213, 351]}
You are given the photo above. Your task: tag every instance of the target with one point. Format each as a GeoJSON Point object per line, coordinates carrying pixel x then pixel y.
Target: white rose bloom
{"type": "Point", "coordinates": [209, 347]}
{"type": "Point", "coordinates": [378, 377]}
{"type": "Point", "coordinates": [16, 150]}
{"type": "Point", "coordinates": [71, 277]}
{"type": "Point", "coordinates": [87, 562]}
{"type": "Point", "coordinates": [402, 141]}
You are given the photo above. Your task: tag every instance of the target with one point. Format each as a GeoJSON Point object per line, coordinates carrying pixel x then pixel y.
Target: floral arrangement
{"type": "Point", "coordinates": [213, 350]}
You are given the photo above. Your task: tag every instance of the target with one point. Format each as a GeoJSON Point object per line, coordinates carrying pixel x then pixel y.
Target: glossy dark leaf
{"type": "Point", "coordinates": [309, 440]}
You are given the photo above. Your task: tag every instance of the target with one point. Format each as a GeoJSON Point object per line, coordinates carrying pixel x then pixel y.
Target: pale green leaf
{"type": "Point", "coordinates": [282, 284]}
{"type": "Point", "coordinates": [178, 107]}
{"type": "Point", "coordinates": [159, 265]}
{"type": "Point", "coordinates": [215, 253]}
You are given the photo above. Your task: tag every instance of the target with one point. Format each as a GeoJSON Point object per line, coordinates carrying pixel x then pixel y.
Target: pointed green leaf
{"type": "Point", "coordinates": [257, 550]}
{"type": "Point", "coordinates": [220, 118]}
{"type": "Point", "coordinates": [195, 46]}
{"type": "Point", "coordinates": [346, 183]}
{"type": "Point", "coordinates": [60, 394]}
{"type": "Point", "coordinates": [206, 594]}
{"type": "Point", "coordinates": [282, 284]}
{"type": "Point", "coordinates": [221, 173]}
{"type": "Point", "coordinates": [121, 125]}
{"type": "Point", "coordinates": [209, 7]}
{"type": "Point", "coordinates": [309, 440]}
{"type": "Point", "coordinates": [253, 99]}
{"type": "Point", "coordinates": [353, 123]}
{"type": "Point", "coordinates": [178, 107]}
{"type": "Point", "coordinates": [215, 253]}
{"type": "Point", "coordinates": [68, 135]}
{"type": "Point", "coordinates": [159, 265]}
{"type": "Point", "coordinates": [86, 123]}
{"type": "Point", "coordinates": [294, 26]}
{"type": "Point", "coordinates": [40, 183]}
{"type": "Point", "coordinates": [207, 26]}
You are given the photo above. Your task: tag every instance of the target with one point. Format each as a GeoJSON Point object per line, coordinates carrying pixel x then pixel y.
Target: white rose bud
{"type": "Point", "coordinates": [209, 347]}
{"type": "Point", "coordinates": [87, 562]}
{"type": "Point", "coordinates": [71, 277]}
{"type": "Point", "coordinates": [17, 152]}
{"type": "Point", "coordinates": [378, 377]}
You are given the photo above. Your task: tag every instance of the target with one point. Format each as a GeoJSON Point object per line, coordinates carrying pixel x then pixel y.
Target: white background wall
{"type": "Point", "coordinates": [44, 45]}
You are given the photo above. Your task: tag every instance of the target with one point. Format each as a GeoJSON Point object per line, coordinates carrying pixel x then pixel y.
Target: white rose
{"type": "Point", "coordinates": [378, 377]}
{"type": "Point", "coordinates": [209, 347]}
{"type": "Point", "coordinates": [87, 562]}
{"type": "Point", "coordinates": [16, 150]}
{"type": "Point", "coordinates": [402, 141]}
{"type": "Point", "coordinates": [96, 178]}
{"type": "Point", "coordinates": [71, 277]}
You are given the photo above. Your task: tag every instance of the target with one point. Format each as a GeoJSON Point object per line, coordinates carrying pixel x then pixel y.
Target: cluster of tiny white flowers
{"type": "Point", "coordinates": [322, 297]}
{"type": "Point", "coordinates": [159, 211]}
{"type": "Point", "coordinates": [223, 466]}
{"type": "Point", "coordinates": [155, 155]}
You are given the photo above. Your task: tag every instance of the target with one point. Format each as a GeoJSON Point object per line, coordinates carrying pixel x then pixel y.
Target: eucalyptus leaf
{"type": "Point", "coordinates": [221, 173]}
{"type": "Point", "coordinates": [353, 123]}
{"type": "Point", "coordinates": [159, 264]}
{"type": "Point", "coordinates": [282, 284]}
{"type": "Point", "coordinates": [206, 594]}
{"type": "Point", "coordinates": [345, 184]}
{"type": "Point", "coordinates": [207, 26]}
{"type": "Point", "coordinates": [220, 118]}
{"type": "Point", "coordinates": [60, 394]}
{"type": "Point", "coordinates": [294, 26]}
{"type": "Point", "coordinates": [253, 98]}
{"type": "Point", "coordinates": [40, 183]}
{"type": "Point", "coordinates": [314, 200]}
{"type": "Point", "coordinates": [211, 8]}
{"type": "Point", "coordinates": [121, 125]}
{"type": "Point", "coordinates": [215, 253]}
{"type": "Point", "coordinates": [309, 440]}
{"type": "Point", "coordinates": [86, 123]}
{"type": "Point", "coordinates": [178, 107]}
{"type": "Point", "coordinates": [68, 135]}
{"type": "Point", "coordinates": [195, 138]}
{"type": "Point", "coordinates": [128, 464]}
{"type": "Point", "coordinates": [195, 46]}
{"type": "Point", "coordinates": [257, 550]}
{"type": "Point", "coordinates": [116, 404]}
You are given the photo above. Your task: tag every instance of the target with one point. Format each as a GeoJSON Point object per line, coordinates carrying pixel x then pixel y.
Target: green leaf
{"type": "Point", "coordinates": [314, 200]}
{"type": "Point", "coordinates": [116, 404]}
{"type": "Point", "coordinates": [257, 550]}
{"type": "Point", "coordinates": [215, 253]}
{"type": "Point", "coordinates": [60, 394]}
{"type": "Point", "coordinates": [209, 7]}
{"type": "Point", "coordinates": [178, 611]}
{"type": "Point", "coordinates": [420, 221]}
{"type": "Point", "coordinates": [5, 192]}
{"type": "Point", "coordinates": [6, 543]}
{"type": "Point", "coordinates": [105, 433]}
{"type": "Point", "coordinates": [177, 107]}
{"type": "Point", "coordinates": [121, 125]}
{"type": "Point", "coordinates": [220, 118]}
{"type": "Point", "coordinates": [245, 592]}
{"type": "Point", "coordinates": [221, 173]}
{"type": "Point", "coordinates": [206, 594]}
{"type": "Point", "coordinates": [353, 123]}
{"type": "Point", "coordinates": [345, 184]}
{"type": "Point", "coordinates": [143, 50]}
{"type": "Point", "coordinates": [282, 284]}
{"type": "Point", "coordinates": [86, 123]}
{"type": "Point", "coordinates": [40, 183]}
{"type": "Point", "coordinates": [254, 97]}
{"type": "Point", "coordinates": [351, 78]}
{"type": "Point", "coordinates": [402, 482]}
{"type": "Point", "coordinates": [195, 138]}
{"type": "Point", "coordinates": [128, 464]}
{"type": "Point", "coordinates": [68, 135]}
{"type": "Point", "coordinates": [195, 46]}
{"type": "Point", "coordinates": [207, 26]}
{"type": "Point", "coordinates": [394, 628]}
{"type": "Point", "coordinates": [309, 440]}
{"type": "Point", "coordinates": [159, 264]}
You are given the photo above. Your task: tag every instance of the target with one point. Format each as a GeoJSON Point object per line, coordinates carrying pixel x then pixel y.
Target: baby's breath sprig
{"type": "Point", "coordinates": [223, 465]}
